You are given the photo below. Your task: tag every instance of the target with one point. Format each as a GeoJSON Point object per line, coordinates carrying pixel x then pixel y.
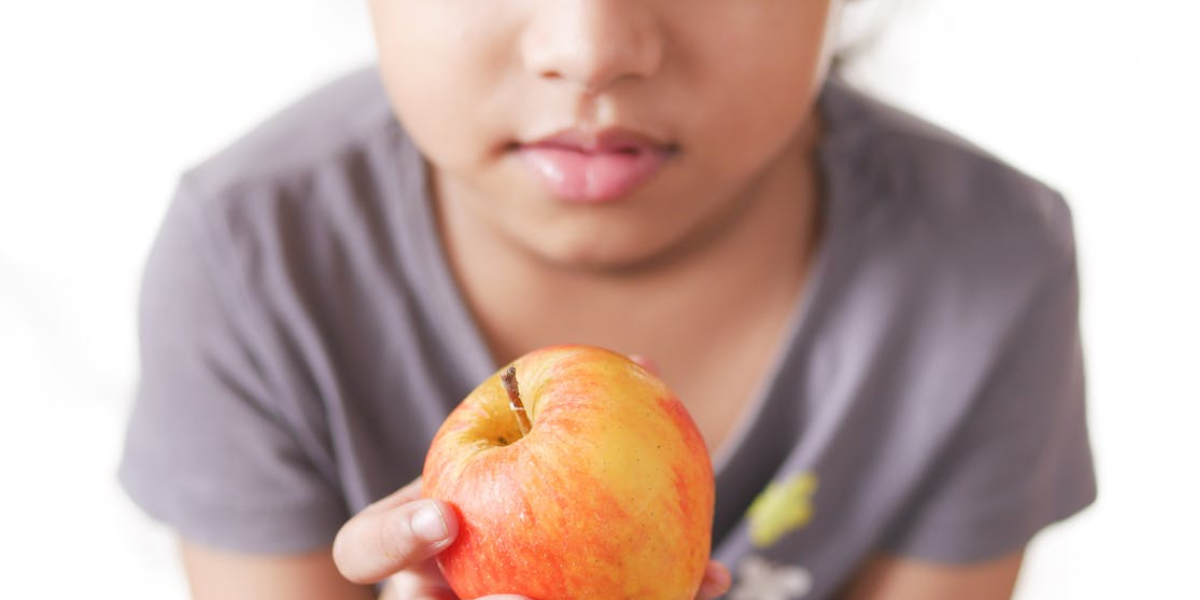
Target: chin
{"type": "Point", "coordinates": [596, 260]}
{"type": "Point", "coordinates": [618, 252]}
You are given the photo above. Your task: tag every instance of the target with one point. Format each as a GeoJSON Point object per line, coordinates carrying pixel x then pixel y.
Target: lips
{"type": "Point", "coordinates": [594, 167]}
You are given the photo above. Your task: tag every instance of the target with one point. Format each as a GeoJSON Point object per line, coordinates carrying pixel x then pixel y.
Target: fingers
{"type": "Point", "coordinates": [388, 537]}
{"type": "Point", "coordinates": [716, 581]}
{"type": "Point", "coordinates": [423, 582]}
{"type": "Point", "coordinates": [646, 363]}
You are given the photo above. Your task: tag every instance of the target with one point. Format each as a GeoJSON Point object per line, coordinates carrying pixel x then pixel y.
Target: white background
{"type": "Point", "coordinates": [102, 104]}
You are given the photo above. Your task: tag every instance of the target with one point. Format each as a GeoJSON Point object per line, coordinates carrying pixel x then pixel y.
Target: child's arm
{"type": "Point", "coordinates": [384, 541]}
{"type": "Point", "coordinates": [897, 578]}
{"type": "Point", "coordinates": [220, 575]}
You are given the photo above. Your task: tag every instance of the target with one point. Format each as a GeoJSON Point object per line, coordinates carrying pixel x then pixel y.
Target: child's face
{"type": "Point", "coordinates": [604, 133]}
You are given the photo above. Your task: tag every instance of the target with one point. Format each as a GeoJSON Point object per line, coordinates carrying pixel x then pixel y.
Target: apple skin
{"type": "Point", "coordinates": [609, 496]}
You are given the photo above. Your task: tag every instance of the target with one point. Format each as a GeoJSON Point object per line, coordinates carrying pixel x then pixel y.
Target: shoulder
{"type": "Point", "coordinates": [315, 203]}
{"type": "Point", "coordinates": [946, 201]}
{"type": "Point", "coordinates": [327, 176]}
{"type": "Point", "coordinates": [319, 129]}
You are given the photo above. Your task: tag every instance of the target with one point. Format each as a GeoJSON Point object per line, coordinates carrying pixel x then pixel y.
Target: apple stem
{"type": "Point", "coordinates": [514, 399]}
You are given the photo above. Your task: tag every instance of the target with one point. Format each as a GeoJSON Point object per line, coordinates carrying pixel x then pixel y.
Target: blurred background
{"type": "Point", "coordinates": [103, 104]}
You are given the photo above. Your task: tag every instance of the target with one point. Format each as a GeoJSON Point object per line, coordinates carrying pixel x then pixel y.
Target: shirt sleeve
{"type": "Point", "coordinates": [1021, 459]}
{"type": "Point", "coordinates": [208, 449]}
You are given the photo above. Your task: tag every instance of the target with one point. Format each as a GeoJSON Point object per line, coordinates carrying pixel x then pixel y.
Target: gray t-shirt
{"type": "Point", "coordinates": [302, 339]}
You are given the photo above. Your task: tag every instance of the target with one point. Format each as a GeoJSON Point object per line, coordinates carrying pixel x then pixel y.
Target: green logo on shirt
{"type": "Point", "coordinates": [782, 508]}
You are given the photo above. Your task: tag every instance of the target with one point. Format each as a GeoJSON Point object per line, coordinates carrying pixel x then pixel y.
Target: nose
{"type": "Point", "coordinates": [593, 44]}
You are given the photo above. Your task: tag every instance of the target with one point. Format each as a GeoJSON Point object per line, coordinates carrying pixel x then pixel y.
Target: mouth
{"type": "Point", "coordinates": [585, 166]}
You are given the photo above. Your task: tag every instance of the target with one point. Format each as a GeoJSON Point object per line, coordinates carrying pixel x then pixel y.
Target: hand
{"type": "Point", "coordinates": [397, 537]}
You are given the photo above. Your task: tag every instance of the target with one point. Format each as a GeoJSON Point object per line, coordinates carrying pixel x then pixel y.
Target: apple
{"type": "Point", "coordinates": [576, 475]}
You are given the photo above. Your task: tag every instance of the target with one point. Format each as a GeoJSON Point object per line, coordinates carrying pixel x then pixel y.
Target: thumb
{"type": "Point", "coordinates": [378, 543]}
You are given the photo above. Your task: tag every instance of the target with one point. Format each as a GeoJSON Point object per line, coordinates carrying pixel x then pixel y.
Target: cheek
{"type": "Point", "coordinates": [432, 112]}
{"type": "Point", "coordinates": [763, 108]}
{"type": "Point", "coordinates": [757, 86]}
{"type": "Point", "coordinates": [440, 69]}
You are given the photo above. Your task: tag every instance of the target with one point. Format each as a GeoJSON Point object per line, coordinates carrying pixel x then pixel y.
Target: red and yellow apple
{"type": "Point", "coordinates": [586, 479]}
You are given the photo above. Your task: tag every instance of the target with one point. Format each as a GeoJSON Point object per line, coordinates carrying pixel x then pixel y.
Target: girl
{"type": "Point", "coordinates": [873, 323]}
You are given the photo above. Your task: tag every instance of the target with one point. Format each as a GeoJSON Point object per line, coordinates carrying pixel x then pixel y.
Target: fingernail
{"type": "Point", "coordinates": [428, 524]}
